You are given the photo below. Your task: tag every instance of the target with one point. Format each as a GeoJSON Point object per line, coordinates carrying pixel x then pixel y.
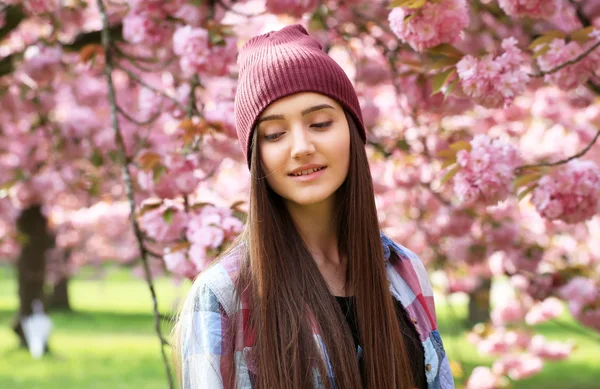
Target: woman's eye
{"type": "Point", "coordinates": [274, 136]}
{"type": "Point", "coordinates": [323, 125]}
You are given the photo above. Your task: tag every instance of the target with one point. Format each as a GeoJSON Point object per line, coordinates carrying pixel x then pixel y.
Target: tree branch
{"type": "Point", "coordinates": [236, 12]}
{"type": "Point", "coordinates": [135, 121]}
{"type": "Point", "coordinates": [562, 161]}
{"type": "Point", "coordinates": [565, 64]}
{"type": "Point", "coordinates": [134, 77]}
{"type": "Point", "coordinates": [106, 43]}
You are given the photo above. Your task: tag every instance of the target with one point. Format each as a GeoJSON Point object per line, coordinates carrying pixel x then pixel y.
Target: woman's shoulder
{"type": "Point", "coordinates": [218, 281]}
{"type": "Point", "coordinates": [407, 265]}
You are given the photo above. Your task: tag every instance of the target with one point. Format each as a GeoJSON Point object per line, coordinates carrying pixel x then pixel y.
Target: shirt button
{"type": "Point", "coordinates": [428, 367]}
{"type": "Point", "coordinates": [414, 319]}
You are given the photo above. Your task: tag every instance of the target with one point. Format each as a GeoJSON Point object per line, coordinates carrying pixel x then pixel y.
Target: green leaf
{"type": "Point", "coordinates": [448, 176]}
{"type": "Point", "coordinates": [526, 179]}
{"type": "Point", "coordinates": [525, 192]}
{"type": "Point", "coordinates": [450, 88]}
{"type": "Point", "coordinates": [446, 153]}
{"type": "Point", "coordinates": [448, 162]}
{"type": "Point", "coordinates": [168, 215]}
{"type": "Point", "coordinates": [408, 18]}
{"type": "Point", "coordinates": [440, 79]}
{"type": "Point", "coordinates": [461, 145]}
{"type": "Point", "coordinates": [158, 171]}
{"type": "Point", "coordinates": [582, 35]}
{"type": "Point", "coordinates": [541, 51]}
{"type": "Point", "coordinates": [444, 62]}
{"type": "Point", "coordinates": [413, 4]}
{"type": "Point", "coordinates": [97, 159]}
{"type": "Point", "coordinates": [446, 49]}
{"type": "Point", "coordinates": [544, 39]}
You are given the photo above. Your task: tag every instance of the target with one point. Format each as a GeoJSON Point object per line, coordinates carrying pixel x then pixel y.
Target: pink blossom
{"type": "Point", "coordinates": [220, 116]}
{"type": "Point", "coordinates": [433, 24]}
{"type": "Point", "coordinates": [145, 29]}
{"type": "Point", "coordinates": [590, 317]}
{"type": "Point", "coordinates": [42, 62]}
{"type": "Point", "coordinates": [372, 72]}
{"type": "Point", "coordinates": [554, 351]}
{"type": "Point", "coordinates": [550, 308]}
{"type": "Point", "coordinates": [199, 257]}
{"type": "Point", "coordinates": [580, 290]}
{"type": "Point", "coordinates": [465, 284]}
{"type": "Point", "coordinates": [198, 54]}
{"type": "Point", "coordinates": [178, 264]}
{"type": "Point", "coordinates": [295, 8]}
{"type": "Point", "coordinates": [531, 8]}
{"type": "Point", "coordinates": [165, 223]}
{"type": "Point", "coordinates": [192, 14]}
{"type": "Point", "coordinates": [518, 367]}
{"type": "Point", "coordinates": [232, 226]}
{"type": "Point", "coordinates": [494, 81]}
{"type": "Point", "coordinates": [483, 378]}
{"type": "Point", "coordinates": [40, 6]}
{"type": "Point", "coordinates": [206, 236]}
{"type": "Point", "coordinates": [501, 236]}
{"type": "Point", "coordinates": [569, 193]}
{"type": "Point", "coordinates": [486, 171]}
{"type": "Point", "coordinates": [509, 311]}
{"type": "Point", "coordinates": [572, 75]}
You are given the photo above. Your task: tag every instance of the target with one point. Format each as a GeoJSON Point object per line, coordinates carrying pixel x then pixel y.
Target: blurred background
{"type": "Point", "coordinates": [121, 177]}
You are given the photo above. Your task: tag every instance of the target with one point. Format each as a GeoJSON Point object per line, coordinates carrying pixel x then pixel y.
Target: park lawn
{"type": "Point", "coordinates": [109, 341]}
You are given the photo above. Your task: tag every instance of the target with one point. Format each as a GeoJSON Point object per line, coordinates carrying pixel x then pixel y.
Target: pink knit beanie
{"type": "Point", "coordinates": [281, 63]}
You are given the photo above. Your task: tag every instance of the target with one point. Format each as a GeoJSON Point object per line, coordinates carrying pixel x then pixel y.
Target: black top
{"type": "Point", "coordinates": [411, 338]}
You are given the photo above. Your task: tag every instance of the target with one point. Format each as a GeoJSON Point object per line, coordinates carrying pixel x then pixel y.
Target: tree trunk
{"type": "Point", "coordinates": [31, 265]}
{"type": "Point", "coordinates": [58, 300]}
{"type": "Point", "coordinates": [479, 303]}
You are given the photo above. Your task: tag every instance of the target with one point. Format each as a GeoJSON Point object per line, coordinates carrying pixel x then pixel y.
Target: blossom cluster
{"type": "Point", "coordinates": [583, 297]}
{"type": "Point", "coordinates": [198, 54]}
{"type": "Point", "coordinates": [532, 8]}
{"type": "Point", "coordinates": [295, 8]}
{"type": "Point", "coordinates": [206, 231]}
{"type": "Point", "coordinates": [486, 170]}
{"type": "Point", "coordinates": [570, 76]}
{"type": "Point", "coordinates": [569, 193]}
{"type": "Point", "coordinates": [147, 23]}
{"type": "Point", "coordinates": [430, 25]}
{"type": "Point", "coordinates": [494, 80]}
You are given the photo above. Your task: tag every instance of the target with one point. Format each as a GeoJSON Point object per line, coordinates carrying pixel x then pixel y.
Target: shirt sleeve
{"type": "Point", "coordinates": [203, 323]}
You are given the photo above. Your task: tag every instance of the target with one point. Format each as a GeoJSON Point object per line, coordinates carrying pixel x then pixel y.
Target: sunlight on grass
{"type": "Point", "coordinates": [109, 341]}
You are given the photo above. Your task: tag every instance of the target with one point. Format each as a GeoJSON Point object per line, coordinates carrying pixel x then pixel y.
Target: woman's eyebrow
{"type": "Point", "coordinates": [304, 112]}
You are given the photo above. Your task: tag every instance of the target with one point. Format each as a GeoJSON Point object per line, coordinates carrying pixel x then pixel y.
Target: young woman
{"type": "Point", "coordinates": [311, 295]}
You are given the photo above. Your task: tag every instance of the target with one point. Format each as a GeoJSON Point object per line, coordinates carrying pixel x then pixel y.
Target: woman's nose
{"type": "Point", "coordinates": [302, 144]}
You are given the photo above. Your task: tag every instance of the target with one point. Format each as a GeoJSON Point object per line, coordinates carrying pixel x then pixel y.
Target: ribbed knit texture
{"type": "Point", "coordinates": [281, 63]}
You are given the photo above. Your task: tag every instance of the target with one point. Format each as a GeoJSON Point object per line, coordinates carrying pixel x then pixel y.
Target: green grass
{"type": "Point", "coordinates": [109, 341]}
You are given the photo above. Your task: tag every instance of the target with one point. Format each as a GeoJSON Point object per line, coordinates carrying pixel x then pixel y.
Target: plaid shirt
{"type": "Point", "coordinates": [211, 309]}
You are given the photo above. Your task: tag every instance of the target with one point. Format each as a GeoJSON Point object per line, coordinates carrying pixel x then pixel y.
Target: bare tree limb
{"type": "Point", "coordinates": [138, 122]}
{"type": "Point", "coordinates": [106, 43]}
{"type": "Point", "coordinates": [562, 161]}
{"type": "Point", "coordinates": [134, 77]}
{"type": "Point", "coordinates": [565, 64]}
{"type": "Point", "coordinates": [236, 12]}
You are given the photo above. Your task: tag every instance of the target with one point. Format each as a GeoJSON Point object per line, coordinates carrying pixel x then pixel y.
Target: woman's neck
{"type": "Point", "coordinates": [316, 225]}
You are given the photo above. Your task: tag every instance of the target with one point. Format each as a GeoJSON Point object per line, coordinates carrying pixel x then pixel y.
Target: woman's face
{"type": "Point", "coordinates": [298, 134]}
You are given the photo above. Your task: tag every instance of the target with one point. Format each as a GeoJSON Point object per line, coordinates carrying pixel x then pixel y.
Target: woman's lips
{"type": "Point", "coordinates": [309, 177]}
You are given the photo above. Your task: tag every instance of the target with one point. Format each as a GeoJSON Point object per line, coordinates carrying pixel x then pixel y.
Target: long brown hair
{"type": "Point", "coordinates": [289, 294]}
{"type": "Point", "coordinates": [287, 285]}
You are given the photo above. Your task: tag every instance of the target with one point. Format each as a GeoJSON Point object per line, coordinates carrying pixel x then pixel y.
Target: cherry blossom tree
{"type": "Point", "coordinates": [482, 120]}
